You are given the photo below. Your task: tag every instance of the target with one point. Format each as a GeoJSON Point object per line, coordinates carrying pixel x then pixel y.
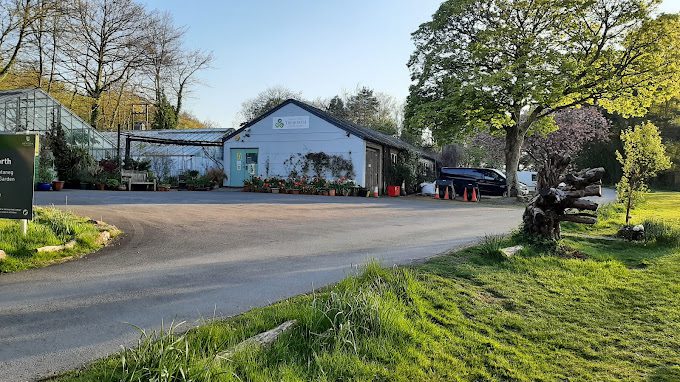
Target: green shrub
{"type": "Point", "coordinates": [662, 232]}
{"type": "Point", "coordinates": [610, 211]}
{"type": "Point", "coordinates": [491, 246]}
{"type": "Point", "coordinates": [112, 183]}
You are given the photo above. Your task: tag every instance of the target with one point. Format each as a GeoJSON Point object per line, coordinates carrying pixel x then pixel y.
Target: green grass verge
{"type": "Point", "coordinates": [466, 316]}
{"type": "Point", "coordinates": [50, 226]}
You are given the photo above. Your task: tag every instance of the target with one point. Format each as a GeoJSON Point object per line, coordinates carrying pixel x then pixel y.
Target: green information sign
{"type": "Point", "coordinates": [17, 155]}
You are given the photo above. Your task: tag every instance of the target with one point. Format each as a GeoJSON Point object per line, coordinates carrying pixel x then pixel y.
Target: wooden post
{"type": "Point", "coordinates": [128, 142]}
{"type": "Point", "coordinates": [118, 148]}
{"type": "Point", "coordinates": [24, 227]}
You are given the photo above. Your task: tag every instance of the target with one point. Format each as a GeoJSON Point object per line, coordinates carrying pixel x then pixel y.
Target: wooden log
{"type": "Point", "coordinates": [559, 193]}
{"type": "Point", "coordinates": [592, 190]}
{"type": "Point", "coordinates": [261, 340]}
{"type": "Point", "coordinates": [55, 248]}
{"type": "Point", "coordinates": [584, 178]}
{"type": "Point", "coordinates": [581, 204]}
{"type": "Point", "coordinates": [578, 218]}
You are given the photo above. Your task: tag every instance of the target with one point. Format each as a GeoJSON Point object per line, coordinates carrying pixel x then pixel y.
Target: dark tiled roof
{"type": "Point", "coordinates": [362, 132]}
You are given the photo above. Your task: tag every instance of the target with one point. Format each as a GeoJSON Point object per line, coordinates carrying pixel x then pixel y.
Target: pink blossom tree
{"type": "Point", "coordinates": [577, 127]}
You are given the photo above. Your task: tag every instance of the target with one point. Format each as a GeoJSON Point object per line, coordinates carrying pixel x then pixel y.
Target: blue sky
{"type": "Point", "coordinates": [320, 48]}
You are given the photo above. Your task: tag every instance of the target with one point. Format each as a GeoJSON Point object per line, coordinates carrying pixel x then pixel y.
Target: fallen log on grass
{"type": "Point", "coordinates": [55, 248]}
{"type": "Point", "coordinates": [261, 340]}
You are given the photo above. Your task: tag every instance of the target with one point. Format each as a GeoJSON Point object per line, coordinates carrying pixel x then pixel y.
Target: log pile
{"type": "Point", "coordinates": [559, 199]}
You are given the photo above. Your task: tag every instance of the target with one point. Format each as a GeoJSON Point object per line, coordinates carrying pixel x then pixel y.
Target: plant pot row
{"type": "Point", "coordinates": [359, 191]}
{"type": "Point", "coordinates": [59, 185]}
{"type": "Point", "coordinates": [56, 185]}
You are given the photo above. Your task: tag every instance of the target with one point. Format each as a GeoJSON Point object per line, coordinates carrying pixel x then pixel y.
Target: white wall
{"type": "Point", "coordinates": [277, 145]}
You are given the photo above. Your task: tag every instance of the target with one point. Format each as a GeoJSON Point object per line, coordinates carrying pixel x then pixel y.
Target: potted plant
{"type": "Point", "coordinates": [45, 176]}
{"type": "Point", "coordinates": [100, 180]}
{"type": "Point", "coordinates": [57, 185]}
{"type": "Point", "coordinates": [112, 183]}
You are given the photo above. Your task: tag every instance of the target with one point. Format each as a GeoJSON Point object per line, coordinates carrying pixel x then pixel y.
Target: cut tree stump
{"type": "Point", "coordinates": [559, 198]}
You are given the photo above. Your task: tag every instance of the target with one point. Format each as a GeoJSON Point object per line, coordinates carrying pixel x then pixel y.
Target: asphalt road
{"type": "Point", "coordinates": [187, 256]}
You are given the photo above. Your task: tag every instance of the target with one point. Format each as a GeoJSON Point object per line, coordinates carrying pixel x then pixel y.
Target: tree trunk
{"type": "Point", "coordinates": [559, 196]}
{"type": "Point", "coordinates": [514, 140]}
{"type": "Point", "coordinates": [94, 112]}
{"type": "Point", "coordinates": [630, 202]}
{"type": "Point", "coordinates": [178, 105]}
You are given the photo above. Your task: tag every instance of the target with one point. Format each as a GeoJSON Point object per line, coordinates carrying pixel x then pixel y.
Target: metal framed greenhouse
{"type": "Point", "coordinates": [168, 159]}
{"type": "Point", "coordinates": [34, 111]}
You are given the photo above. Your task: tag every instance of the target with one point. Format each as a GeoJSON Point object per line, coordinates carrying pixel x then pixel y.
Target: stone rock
{"type": "Point", "coordinates": [511, 251]}
{"type": "Point", "coordinates": [55, 248]}
{"type": "Point", "coordinates": [104, 237]}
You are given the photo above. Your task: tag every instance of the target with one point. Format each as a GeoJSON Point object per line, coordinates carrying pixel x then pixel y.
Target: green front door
{"type": "Point", "coordinates": [243, 166]}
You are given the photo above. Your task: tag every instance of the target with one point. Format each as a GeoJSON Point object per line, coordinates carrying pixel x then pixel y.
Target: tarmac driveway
{"type": "Point", "coordinates": [192, 255]}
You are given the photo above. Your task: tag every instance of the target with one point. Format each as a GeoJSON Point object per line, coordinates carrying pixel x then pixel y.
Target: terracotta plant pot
{"type": "Point", "coordinates": [246, 188]}
{"type": "Point", "coordinates": [101, 186]}
{"type": "Point", "coordinates": [295, 192]}
{"type": "Point", "coordinates": [275, 190]}
{"type": "Point", "coordinates": [331, 192]}
{"type": "Point", "coordinates": [58, 185]}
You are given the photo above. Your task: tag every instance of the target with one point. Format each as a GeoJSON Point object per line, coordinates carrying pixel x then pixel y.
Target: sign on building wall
{"type": "Point", "coordinates": [282, 123]}
{"type": "Point", "coordinates": [17, 155]}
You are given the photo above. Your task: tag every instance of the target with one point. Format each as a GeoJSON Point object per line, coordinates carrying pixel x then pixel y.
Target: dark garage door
{"type": "Point", "coordinates": [372, 169]}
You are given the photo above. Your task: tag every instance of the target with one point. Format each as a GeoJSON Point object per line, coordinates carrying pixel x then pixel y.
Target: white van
{"type": "Point", "coordinates": [529, 178]}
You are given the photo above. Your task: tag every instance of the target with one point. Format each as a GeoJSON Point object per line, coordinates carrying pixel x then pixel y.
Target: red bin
{"type": "Point", "coordinates": [393, 190]}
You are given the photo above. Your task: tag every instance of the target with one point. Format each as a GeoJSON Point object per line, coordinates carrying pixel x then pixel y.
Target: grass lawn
{"type": "Point", "coordinates": [466, 316]}
{"type": "Point", "coordinates": [50, 226]}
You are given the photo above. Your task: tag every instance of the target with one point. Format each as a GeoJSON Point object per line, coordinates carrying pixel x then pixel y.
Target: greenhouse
{"type": "Point", "coordinates": [34, 111]}
{"type": "Point", "coordinates": [190, 153]}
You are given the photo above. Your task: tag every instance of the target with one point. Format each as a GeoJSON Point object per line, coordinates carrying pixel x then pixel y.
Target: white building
{"type": "Point", "coordinates": [267, 145]}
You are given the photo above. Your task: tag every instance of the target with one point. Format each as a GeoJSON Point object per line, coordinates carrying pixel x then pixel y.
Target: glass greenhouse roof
{"type": "Point", "coordinates": [33, 110]}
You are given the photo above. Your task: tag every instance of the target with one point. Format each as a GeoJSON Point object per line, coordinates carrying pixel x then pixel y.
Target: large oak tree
{"type": "Point", "coordinates": [508, 65]}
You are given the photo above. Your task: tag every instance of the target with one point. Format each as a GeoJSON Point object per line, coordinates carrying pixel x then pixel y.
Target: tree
{"type": "Point", "coordinates": [576, 128]}
{"type": "Point", "coordinates": [162, 51]}
{"type": "Point", "coordinates": [509, 65]}
{"type": "Point", "coordinates": [189, 64]}
{"type": "Point", "coordinates": [266, 100]}
{"type": "Point", "coordinates": [43, 38]}
{"type": "Point", "coordinates": [336, 107]}
{"type": "Point", "coordinates": [451, 155]}
{"type": "Point", "coordinates": [105, 43]}
{"type": "Point", "coordinates": [16, 18]}
{"type": "Point", "coordinates": [644, 156]}
{"type": "Point", "coordinates": [164, 117]}
{"type": "Point", "coordinates": [365, 108]}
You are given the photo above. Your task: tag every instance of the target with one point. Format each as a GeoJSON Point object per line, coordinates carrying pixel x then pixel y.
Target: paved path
{"type": "Point", "coordinates": [188, 255]}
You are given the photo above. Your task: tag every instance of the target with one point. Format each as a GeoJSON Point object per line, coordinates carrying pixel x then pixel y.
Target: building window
{"type": "Point", "coordinates": [393, 156]}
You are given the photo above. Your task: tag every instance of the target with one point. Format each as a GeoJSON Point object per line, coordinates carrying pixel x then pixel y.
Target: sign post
{"type": "Point", "coordinates": [17, 160]}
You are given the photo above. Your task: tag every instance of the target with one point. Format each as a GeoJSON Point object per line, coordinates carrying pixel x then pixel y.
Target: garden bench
{"type": "Point", "coordinates": [132, 177]}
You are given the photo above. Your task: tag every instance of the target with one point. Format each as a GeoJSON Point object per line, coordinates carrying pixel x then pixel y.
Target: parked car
{"type": "Point", "coordinates": [491, 182]}
{"type": "Point", "coordinates": [529, 178]}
